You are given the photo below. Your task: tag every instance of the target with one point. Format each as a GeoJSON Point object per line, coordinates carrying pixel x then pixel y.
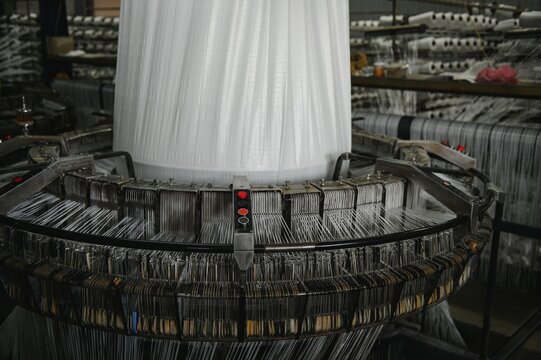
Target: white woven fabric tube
{"type": "Point", "coordinates": [207, 89]}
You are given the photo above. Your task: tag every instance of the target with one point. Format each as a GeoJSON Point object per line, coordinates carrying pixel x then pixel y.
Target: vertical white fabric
{"type": "Point", "coordinates": [206, 89]}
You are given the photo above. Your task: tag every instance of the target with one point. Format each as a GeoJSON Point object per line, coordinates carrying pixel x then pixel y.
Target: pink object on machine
{"type": "Point", "coordinates": [505, 74]}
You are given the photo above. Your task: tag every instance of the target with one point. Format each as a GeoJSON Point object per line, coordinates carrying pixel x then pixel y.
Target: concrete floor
{"type": "Point", "coordinates": [510, 310]}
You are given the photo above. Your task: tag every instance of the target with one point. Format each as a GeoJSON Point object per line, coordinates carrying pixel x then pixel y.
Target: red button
{"type": "Point", "coordinates": [242, 195]}
{"type": "Point", "coordinates": [18, 179]}
{"type": "Point", "coordinates": [460, 148]}
{"type": "Point", "coordinates": [243, 212]}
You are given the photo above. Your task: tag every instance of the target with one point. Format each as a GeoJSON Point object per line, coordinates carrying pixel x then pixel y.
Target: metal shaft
{"type": "Point", "coordinates": [491, 284]}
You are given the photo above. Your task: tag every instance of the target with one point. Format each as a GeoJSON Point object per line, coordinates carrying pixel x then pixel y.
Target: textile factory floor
{"type": "Point", "coordinates": [509, 311]}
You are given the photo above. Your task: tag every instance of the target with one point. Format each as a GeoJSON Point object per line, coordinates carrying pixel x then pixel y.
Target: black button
{"type": "Point", "coordinates": [243, 220]}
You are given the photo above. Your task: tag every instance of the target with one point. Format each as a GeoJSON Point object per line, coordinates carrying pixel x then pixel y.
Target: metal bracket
{"type": "Point", "coordinates": [243, 237]}
{"type": "Point", "coordinates": [458, 202]}
{"type": "Point", "coordinates": [435, 148]}
{"type": "Point", "coordinates": [19, 142]}
{"type": "Point", "coordinates": [243, 247]}
{"type": "Point", "coordinates": [499, 195]}
{"type": "Point", "coordinates": [41, 180]}
{"type": "Point", "coordinates": [66, 141]}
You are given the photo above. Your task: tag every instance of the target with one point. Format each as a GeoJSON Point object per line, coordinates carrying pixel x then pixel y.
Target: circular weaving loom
{"type": "Point", "coordinates": [107, 266]}
{"type": "Point", "coordinates": [248, 94]}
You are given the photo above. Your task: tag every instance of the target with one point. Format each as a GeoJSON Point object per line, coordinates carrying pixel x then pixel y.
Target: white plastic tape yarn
{"type": "Point", "coordinates": [207, 89]}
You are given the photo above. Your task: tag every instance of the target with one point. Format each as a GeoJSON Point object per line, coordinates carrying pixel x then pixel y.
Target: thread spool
{"type": "Point", "coordinates": [441, 21]}
{"type": "Point", "coordinates": [470, 62]}
{"type": "Point", "coordinates": [474, 23]}
{"type": "Point", "coordinates": [428, 19]}
{"type": "Point", "coordinates": [458, 22]}
{"type": "Point", "coordinates": [448, 66]}
{"type": "Point", "coordinates": [430, 67]}
{"type": "Point", "coordinates": [360, 24]}
{"type": "Point", "coordinates": [466, 21]}
{"type": "Point", "coordinates": [98, 20]}
{"type": "Point", "coordinates": [506, 25]}
{"type": "Point", "coordinates": [482, 21]}
{"type": "Point", "coordinates": [441, 66]}
{"type": "Point", "coordinates": [110, 34]}
{"type": "Point", "coordinates": [486, 23]}
{"type": "Point", "coordinates": [440, 45]}
{"type": "Point", "coordinates": [449, 20]}
{"type": "Point", "coordinates": [90, 34]}
{"type": "Point", "coordinates": [430, 44]}
{"type": "Point", "coordinates": [93, 74]}
{"type": "Point", "coordinates": [421, 44]}
{"type": "Point", "coordinates": [465, 45]}
{"type": "Point", "coordinates": [454, 44]}
{"type": "Point", "coordinates": [529, 19]}
{"type": "Point", "coordinates": [387, 20]}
